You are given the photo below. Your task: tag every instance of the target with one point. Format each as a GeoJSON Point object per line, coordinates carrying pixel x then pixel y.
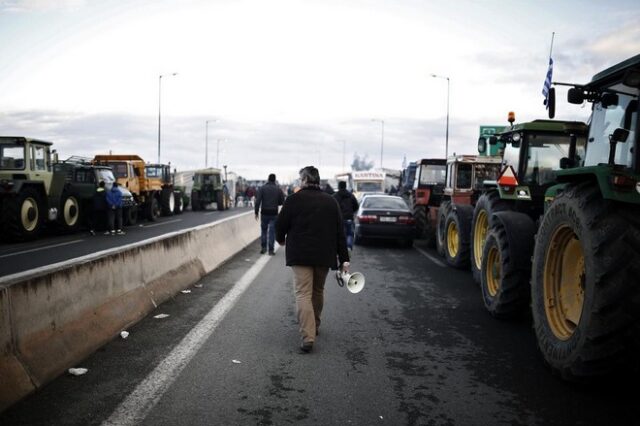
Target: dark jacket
{"type": "Point", "coordinates": [114, 197]}
{"type": "Point", "coordinates": [269, 197]}
{"type": "Point", "coordinates": [311, 223]}
{"type": "Point", "coordinates": [99, 199]}
{"type": "Point", "coordinates": [347, 202]}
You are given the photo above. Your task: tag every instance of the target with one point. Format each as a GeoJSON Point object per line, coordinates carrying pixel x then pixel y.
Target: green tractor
{"type": "Point", "coordinates": [208, 187]}
{"type": "Point", "coordinates": [585, 285]}
{"type": "Point", "coordinates": [505, 217]}
{"type": "Point", "coordinates": [37, 190]}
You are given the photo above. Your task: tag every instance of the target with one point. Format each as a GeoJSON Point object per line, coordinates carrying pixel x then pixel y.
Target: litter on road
{"type": "Point", "coordinates": [235, 361]}
{"type": "Point", "coordinates": [78, 371]}
{"type": "Point", "coordinates": [185, 291]}
{"type": "Point", "coordinates": [160, 316]}
{"type": "Point", "coordinates": [198, 285]}
{"type": "Point", "coordinates": [124, 334]}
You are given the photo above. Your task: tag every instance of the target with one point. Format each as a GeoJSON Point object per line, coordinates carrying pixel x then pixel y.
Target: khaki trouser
{"type": "Point", "coordinates": [308, 282]}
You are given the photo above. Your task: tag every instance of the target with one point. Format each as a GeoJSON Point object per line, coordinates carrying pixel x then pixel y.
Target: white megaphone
{"type": "Point", "coordinates": [354, 282]}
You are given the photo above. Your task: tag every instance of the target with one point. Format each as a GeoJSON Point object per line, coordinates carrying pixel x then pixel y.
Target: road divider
{"type": "Point", "coordinates": [53, 317]}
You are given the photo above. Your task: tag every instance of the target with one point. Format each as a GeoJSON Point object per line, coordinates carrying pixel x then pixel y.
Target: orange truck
{"type": "Point", "coordinates": [151, 185]}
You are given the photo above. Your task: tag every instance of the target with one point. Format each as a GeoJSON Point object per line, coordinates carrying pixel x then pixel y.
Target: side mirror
{"type": "Point", "coordinates": [575, 96]}
{"type": "Point", "coordinates": [632, 78]}
{"type": "Point", "coordinates": [620, 135]}
{"type": "Point", "coordinates": [566, 163]}
{"type": "Point", "coordinates": [551, 102]}
{"type": "Point", "coordinates": [482, 145]}
{"type": "Point", "coordinates": [493, 140]}
{"type": "Point", "coordinates": [609, 99]}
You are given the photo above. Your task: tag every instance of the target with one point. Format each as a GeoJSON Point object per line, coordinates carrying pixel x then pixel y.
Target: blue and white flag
{"type": "Point", "coordinates": [547, 83]}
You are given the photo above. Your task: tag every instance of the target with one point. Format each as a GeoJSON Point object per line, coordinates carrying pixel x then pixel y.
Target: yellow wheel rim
{"type": "Point", "coordinates": [70, 211]}
{"type": "Point", "coordinates": [452, 239]}
{"type": "Point", "coordinates": [493, 273]}
{"type": "Point", "coordinates": [564, 282]}
{"type": "Point", "coordinates": [29, 214]}
{"type": "Point", "coordinates": [479, 237]}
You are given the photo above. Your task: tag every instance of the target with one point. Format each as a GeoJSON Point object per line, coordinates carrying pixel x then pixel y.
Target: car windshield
{"type": "Point", "coordinates": [11, 156]}
{"type": "Point", "coordinates": [390, 203]}
{"type": "Point", "coordinates": [368, 186]}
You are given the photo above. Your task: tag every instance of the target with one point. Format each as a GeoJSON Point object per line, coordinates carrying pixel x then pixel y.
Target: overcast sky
{"type": "Point", "coordinates": [293, 83]}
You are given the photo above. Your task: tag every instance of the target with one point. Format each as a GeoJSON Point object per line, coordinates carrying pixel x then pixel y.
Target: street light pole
{"type": "Point", "coordinates": [446, 149]}
{"type": "Point", "coordinates": [382, 139]}
{"type": "Point", "coordinates": [206, 142]}
{"type": "Point", "coordinates": [159, 108]}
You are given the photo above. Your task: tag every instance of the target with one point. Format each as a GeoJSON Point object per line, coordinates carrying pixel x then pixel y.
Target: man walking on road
{"type": "Point", "coordinates": [310, 224]}
{"type": "Point", "coordinates": [348, 206]}
{"type": "Point", "coordinates": [267, 202]}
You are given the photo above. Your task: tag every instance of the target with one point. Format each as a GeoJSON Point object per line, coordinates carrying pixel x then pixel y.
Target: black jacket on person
{"type": "Point", "coordinates": [100, 199]}
{"type": "Point", "coordinates": [311, 223]}
{"type": "Point", "coordinates": [347, 202]}
{"type": "Point", "coordinates": [269, 197]}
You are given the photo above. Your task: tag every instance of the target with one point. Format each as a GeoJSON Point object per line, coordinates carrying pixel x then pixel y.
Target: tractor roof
{"type": "Point", "coordinates": [474, 159]}
{"type": "Point", "coordinates": [23, 140]}
{"type": "Point", "coordinates": [209, 171]}
{"type": "Point", "coordinates": [436, 161]}
{"type": "Point", "coordinates": [614, 73]}
{"type": "Point", "coordinates": [550, 126]}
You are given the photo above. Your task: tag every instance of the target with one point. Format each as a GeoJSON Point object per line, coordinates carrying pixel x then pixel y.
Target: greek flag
{"type": "Point", "coordinates": [547, 83]}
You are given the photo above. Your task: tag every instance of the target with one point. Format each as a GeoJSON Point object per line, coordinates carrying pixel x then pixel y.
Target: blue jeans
{"type": "Point", "coordinates": [348, 232]}
{"type": "Point", "coordinates": [268, 223]}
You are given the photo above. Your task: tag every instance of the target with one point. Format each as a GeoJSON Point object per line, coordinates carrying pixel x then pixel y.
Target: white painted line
{"type": "Point", "coordinates": [146, 395]}
{"type": "Point", "coordinates": [431, 258]}
{"type": "Point", "coordinates": [41, 248]}
{"type": "Point", "coordinates": [162, 223]}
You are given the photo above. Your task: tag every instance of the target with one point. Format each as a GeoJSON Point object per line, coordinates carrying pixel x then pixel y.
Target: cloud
{"type": "Point", "coordinates": [17, 6]}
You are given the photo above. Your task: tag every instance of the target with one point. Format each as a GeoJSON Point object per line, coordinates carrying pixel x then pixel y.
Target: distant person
{"type": "Point", "coordinates": [114, 210]}
{"type": "Point", "coordinates": [328, 189]}
{"type": "Point", "coordinates": [348, 206]}
{"type": "Point", "coordinates": [310, 225]}
{"type": "Point", "coordinates": [98, 214]}
{"type": "Point", "coordinates": [269, 197]}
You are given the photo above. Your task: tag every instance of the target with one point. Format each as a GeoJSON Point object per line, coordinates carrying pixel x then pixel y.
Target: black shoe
{"type": "Point", "coordinates": [306, 347]}
{"type": "Point", "coordinates": [272, 253]}
{"type": "Point", "coordinates": [263, 251]}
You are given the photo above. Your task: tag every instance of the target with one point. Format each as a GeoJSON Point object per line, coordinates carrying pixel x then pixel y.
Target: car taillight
{"type": "Point", "coordinates": [368, 218]}
{"type": "Point", "coordinates": [623, 182]}
{"type": "Point", "coordinates": [408, 220]}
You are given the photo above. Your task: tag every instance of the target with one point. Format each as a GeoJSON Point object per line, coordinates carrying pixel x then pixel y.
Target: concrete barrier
{"type": "Point", "coordinates": [53, 317]}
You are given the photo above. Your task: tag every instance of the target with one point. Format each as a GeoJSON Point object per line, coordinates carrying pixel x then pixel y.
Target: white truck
{"type": "Point", "coordinates": [368, 182]}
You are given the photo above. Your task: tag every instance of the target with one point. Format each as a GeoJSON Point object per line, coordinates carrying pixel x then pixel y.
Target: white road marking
{"type": "Point", "coordinates": [41, 248]}
{"type": "Point", "coordinates": [162, 223]}
{"type": "Point", "coordinates": [146, 395]}
{"type": "Point", "coordinates": [431, 258]}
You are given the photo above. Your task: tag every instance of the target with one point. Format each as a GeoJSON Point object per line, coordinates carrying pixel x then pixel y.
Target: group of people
{"type": "Point", "coordinates": [107, 205]}
{"type": "Point", "coordinates": [317, 231]}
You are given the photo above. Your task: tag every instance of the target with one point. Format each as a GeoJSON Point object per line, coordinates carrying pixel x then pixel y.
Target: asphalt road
{"type": "Point", "coordinates": [415, 347]}
{"type": "Point", "coordinates": [52, 248]}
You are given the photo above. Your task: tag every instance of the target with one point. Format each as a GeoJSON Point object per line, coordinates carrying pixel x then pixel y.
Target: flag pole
{"type": "Point", "coordinates": [553, 34]}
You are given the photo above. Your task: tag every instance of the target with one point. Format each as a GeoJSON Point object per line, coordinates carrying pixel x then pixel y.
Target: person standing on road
{"type": "Point", "coordinates": [97, 215]}
{"type": "Point", "coordinates": [267, 202]}
{"type": "Point", "coordinates": [114, 210]}
{"type": "Point", "coordinates": [348, 206]}
{"type": "Point", "coordinates": [310, 227]}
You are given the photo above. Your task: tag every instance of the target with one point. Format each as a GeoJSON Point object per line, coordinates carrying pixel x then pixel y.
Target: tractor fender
{"type": "Point", "coordinates": [520, 230]}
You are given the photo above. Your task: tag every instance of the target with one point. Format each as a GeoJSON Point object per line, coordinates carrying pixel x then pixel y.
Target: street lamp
{"type": "Point", "coordinates": [159, 106]}
{"type": "Point", "coordinates": [382, 140]}
{"type": "Point", "coordinates": [206, 142]}
{"type": "Point", "coordinates": [446, 149]}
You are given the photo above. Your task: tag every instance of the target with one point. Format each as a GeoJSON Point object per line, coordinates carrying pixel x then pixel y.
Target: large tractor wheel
{"type": "Point", "coordinates": [457, 230]}
{"type": "Point", "coordinates": [195, 201]}
{"type": "Point", "coordinates": [167, 202]}
{"type": "Point", "coordinates": [130, 215]}
{"type": "Point", "coordinates": [153, 209]}
{"type": "Point", "coordinates": [504, 284]}
{"type": "Point", "coordinates": [487, 204]}
{"type": "Point", "coordinates": [220, 200]}
{"type": "Point", "coordinates": [585, 293]}
{"type": "Point", "coordinates": [420, 215]}
{"type": "Point", "coordinates": [70, 212]}
{"type": "Point", "coordinates": [179, 207]}
{"type": "Point", "coordinates": [443, 211]}
{"type": "Point", "coordinates": [22, 215]}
